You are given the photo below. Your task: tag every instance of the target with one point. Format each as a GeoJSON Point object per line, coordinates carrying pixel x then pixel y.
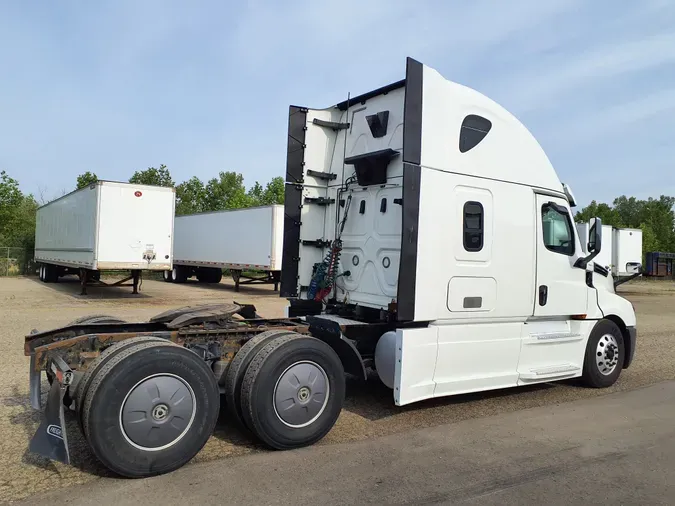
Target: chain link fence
{"type": "Point", "coordinates": [16, 261]}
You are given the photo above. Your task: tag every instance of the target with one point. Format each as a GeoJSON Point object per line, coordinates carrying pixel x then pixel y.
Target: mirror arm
{"type": "Point", "coordinates": [582, 262]}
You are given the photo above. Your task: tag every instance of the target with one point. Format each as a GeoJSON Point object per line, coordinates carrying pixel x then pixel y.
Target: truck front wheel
{"type": "Point", "coordinates": [150, 409]}
{"type": "Point", "coordinates": [604, 355]}
{"type": "Point", "coordinates": [302, 380]}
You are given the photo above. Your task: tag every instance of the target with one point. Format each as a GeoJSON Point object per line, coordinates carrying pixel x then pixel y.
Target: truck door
{"type": "Point", "coordinates": [561, 288]}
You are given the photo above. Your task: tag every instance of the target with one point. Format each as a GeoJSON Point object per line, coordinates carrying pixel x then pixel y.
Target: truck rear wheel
{"type": "Point", "coordinates": [100, 361]}
{"type": "Point", "coordinates": [168, 276]}
{"type": "Point", "coordinates": [234, 377]}
{"type": "Point", "coordinates": [150, 409]}
{"type": "Point", "coordinates": [604, 355]}
{"type": "Point", "coordinates": [302, 379]}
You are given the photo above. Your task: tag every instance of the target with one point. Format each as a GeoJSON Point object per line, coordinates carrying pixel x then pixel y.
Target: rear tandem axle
{"type": "Point", "coordinates": [147, 395]}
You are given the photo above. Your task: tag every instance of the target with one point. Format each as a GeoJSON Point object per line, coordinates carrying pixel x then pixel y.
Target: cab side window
{"type": "Point", "coordinates": [473, 226]}
{"type": "Point", "coordinates": [557, 229]}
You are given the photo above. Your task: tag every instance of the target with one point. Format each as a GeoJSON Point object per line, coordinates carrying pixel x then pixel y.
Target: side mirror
{"type": "Point", "coordinates": [594, 243]}
{"type": "Point", "coordinates": [595, 236]}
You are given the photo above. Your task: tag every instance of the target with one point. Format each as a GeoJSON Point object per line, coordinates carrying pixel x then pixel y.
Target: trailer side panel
{"type": "Point", "coordinates": [65, 231]}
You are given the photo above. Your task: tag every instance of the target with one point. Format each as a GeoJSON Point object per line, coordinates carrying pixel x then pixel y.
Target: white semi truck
{"type": "Point", "coordinates": [105, 226]}
{"type": "Point", "coordinates": [427, 237]}
{"type": "Point", "coordinates": [240, 240]}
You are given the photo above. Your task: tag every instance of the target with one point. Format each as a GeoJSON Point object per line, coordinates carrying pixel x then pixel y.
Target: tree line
{"type": "Point", "coordinates": [227, 191]}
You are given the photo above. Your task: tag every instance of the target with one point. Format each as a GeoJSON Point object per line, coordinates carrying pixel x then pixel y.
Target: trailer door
{"type": "Point", "coordinates": [560, 290]}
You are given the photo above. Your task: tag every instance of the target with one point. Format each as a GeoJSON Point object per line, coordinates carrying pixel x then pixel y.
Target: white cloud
{"type": "Point", "coordinates": [543, 85]}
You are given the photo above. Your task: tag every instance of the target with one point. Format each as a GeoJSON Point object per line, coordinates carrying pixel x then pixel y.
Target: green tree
{"type": "Point", "coordinates": [227, 191]}
{"type": "Point", "coordinates": [274, 191]}
{"type": "Point", "coordinates": [191, 197]}
{"type": "Point", "coordinates": [153, 176]}
{"type": "Point", "coordinates": [603, 211]}
{"type": "Point", "coordinates": [17, 214]}
{"type": "Point", "coordinates": [256, 194]}
{"type": "Point", "coordinates": [11, 199]}
{"type": "Point", "coordinates": [84, 180]}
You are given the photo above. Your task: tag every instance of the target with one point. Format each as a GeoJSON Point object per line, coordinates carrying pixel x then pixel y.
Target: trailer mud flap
{"type": "Point", "coordinates": [50, 439]}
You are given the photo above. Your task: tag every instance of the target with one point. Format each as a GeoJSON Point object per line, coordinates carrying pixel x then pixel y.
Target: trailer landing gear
{"type": "Point", "coordinates": [266, 278]}
{"type": "Point", "coordinates": [88, 277]}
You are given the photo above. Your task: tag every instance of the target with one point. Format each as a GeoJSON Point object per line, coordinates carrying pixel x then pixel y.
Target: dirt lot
{"type": "Point", "coordinates": [369, 410]}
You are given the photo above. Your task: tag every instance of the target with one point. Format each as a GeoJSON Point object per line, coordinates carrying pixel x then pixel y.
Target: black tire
{"type": "Point", "coordinates": [168, 276]}
{"type": "Point", "coordinates": [49, 273]}
{"type": "Point", "coordinates": [52, 273]}
{"type": "Point", "coordinates": [41, 270]}
{"type": "Point", "coordinates": [100, 361]}
{"type": "Point", "coordinates": [95, 275]}
{"type": "Point", "coordinates": [179, 274]}
{"type": "Point", "coordinates": [96, 318]}
{"type": "Point", "coordinates": [116, 381]}
{"type": "Point", "coordinates": [215, 275]}
{"type": "Point", "coordinates": [266, 372]}
{"type": "Point", "coordinates": [602, 371]}
{"type": "Point", "coordinates": [234, 376]}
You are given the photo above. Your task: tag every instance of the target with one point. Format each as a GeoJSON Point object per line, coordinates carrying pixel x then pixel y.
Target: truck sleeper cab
{"type": "Point", "coordinates": [426, 236]}
{"type": "Point", "coordinates": [453, 226]}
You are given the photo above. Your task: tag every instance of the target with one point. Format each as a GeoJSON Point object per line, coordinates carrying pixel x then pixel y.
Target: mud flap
{"type": "Point", "coordinates": [50, 439]}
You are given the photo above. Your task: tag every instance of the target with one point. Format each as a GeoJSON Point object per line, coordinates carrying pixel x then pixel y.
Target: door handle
{"type": "Point", "coordinates": [543, 295]}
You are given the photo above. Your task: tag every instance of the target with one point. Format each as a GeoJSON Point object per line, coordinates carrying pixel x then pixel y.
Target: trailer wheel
{"type": "Point", "coordinates": [168, 276]}
{"type": "Point", "coordinates": [49, 273]}
{"type": "Point", "coordinates": [41, 273]}
{"type": "Point", "coordinates": [215, 275]}
{"type": "Point", "coordinates": [150, 409]}
{"type": "Point", "coordinates": [179, 274]}
{"type": "Point", "coordinates": [604, 355]}
{"type": "Point", "coordinates": [100, 361]}
{"type": "Point", "coordinates": [234, 377]}
{"type": "Point", "coordinates": [293, 391]}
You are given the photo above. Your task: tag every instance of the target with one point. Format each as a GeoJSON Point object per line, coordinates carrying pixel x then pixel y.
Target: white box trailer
{"type": "Point", "coordinates": [627, 251]}
{"type": "Point", "coordinates": [241, 240]}
{"type": "Point", "coordinates": [109, 226]}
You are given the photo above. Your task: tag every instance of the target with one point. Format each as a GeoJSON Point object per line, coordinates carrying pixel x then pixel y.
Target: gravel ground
{"type": "Point", "coordinates": [369, 410]}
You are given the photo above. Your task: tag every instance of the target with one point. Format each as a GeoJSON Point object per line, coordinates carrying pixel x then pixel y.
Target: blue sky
{"type": "Point", "coordinates": [203, 86]}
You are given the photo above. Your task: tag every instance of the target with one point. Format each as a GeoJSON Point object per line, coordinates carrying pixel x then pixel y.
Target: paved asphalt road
{"type": "Point", "coordinates": [615, 449]}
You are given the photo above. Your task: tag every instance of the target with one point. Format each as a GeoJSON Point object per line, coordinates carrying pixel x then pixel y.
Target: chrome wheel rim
{"type": "Point", "coordinates": [607, 354]}
{"type": "Point", "coordinates": [301, 394]}
{"type": "Point", "coordinates": [157, 412]}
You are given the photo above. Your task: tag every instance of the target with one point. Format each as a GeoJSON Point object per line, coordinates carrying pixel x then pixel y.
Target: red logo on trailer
{"type": "Point", "coordinates": [138, 193]}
